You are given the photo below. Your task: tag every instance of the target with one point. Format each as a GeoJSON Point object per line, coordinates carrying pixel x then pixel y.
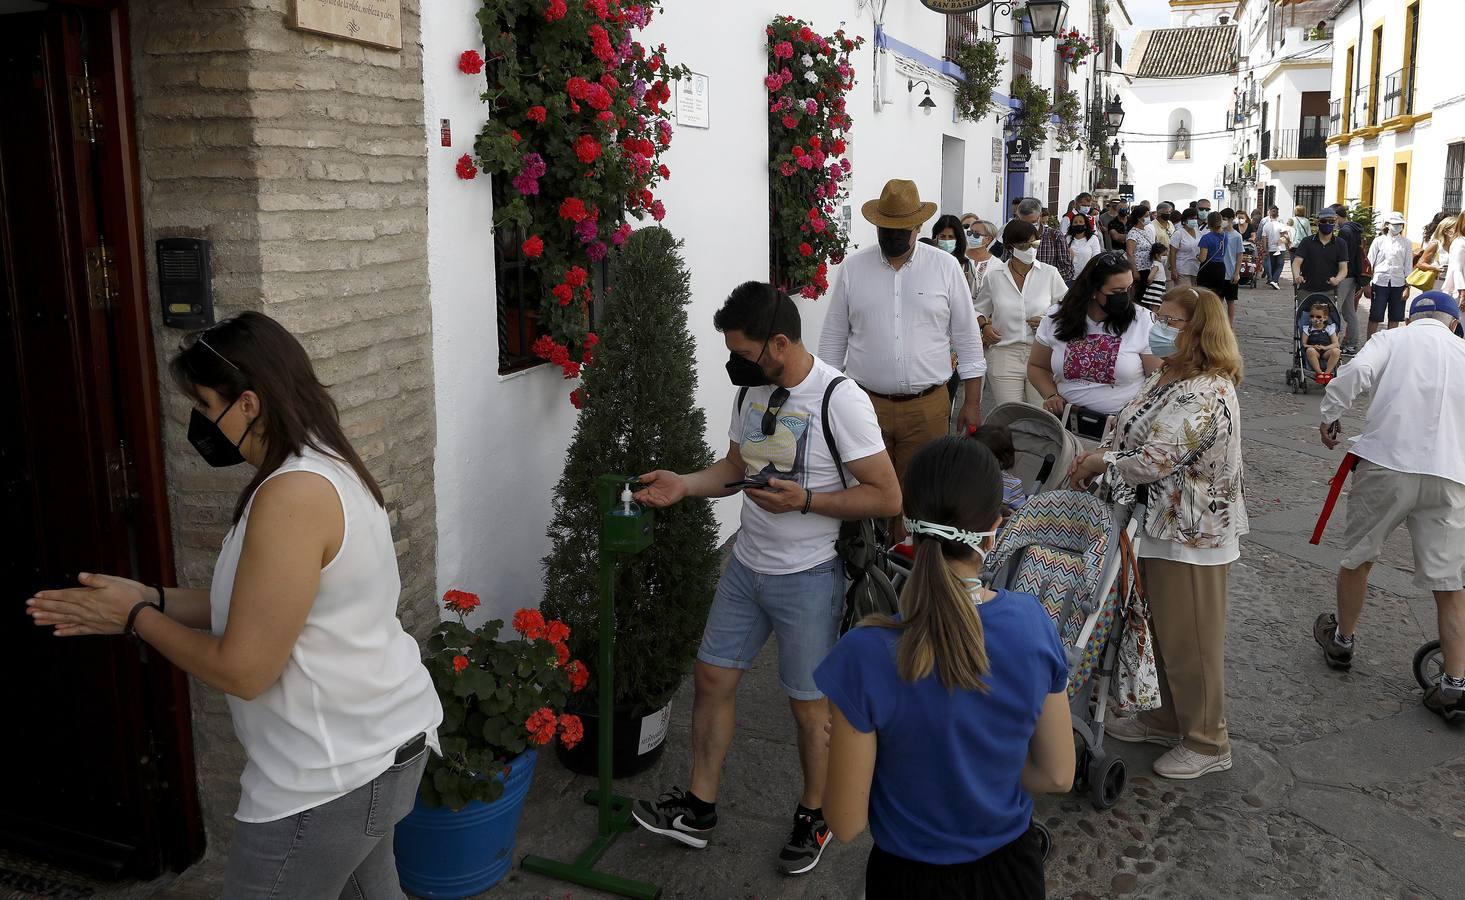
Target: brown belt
{"type": "Point", "coordinates": [902, 398]}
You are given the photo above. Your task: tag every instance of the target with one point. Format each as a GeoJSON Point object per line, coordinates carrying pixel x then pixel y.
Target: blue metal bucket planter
{"type": "Point", "coordinates": [447, 854]}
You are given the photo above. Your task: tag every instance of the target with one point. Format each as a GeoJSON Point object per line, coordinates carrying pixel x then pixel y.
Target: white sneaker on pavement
{"type": "Point", "coordinates": [1132, 731]}
{"type": "Point", "coordinates": [1183, 764]}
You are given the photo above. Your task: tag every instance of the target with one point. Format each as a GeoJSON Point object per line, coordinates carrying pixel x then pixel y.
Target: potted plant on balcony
{"type": "Point", "coordinates": [502, 700]}
{"type": "Point", "coordinates": [639, 412]}
{"type": "Point", "coordinates": [981, 70]}
{"type": "Point", "coordinates": [1074, 47]}
{"type": "Point", "coordinates": [1035, 104]}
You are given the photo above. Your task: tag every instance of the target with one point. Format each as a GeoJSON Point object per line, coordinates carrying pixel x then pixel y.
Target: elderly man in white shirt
{"type": "Point", "coordinates": [896, 313]}
{"type": "Point", "coordinates": [1392, 258]}
{"type": "Point", "coordinates": [1010, 304]}
{"type": "Point", "coordinates": [1409, 469]}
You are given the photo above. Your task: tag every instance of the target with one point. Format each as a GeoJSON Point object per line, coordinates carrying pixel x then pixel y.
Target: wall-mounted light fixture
{"type": "Point", "coordinates": [926, 104]}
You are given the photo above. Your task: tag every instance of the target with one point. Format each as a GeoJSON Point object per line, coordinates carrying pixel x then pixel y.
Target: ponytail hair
{"type": "Point", "coordinates": [957, 482]}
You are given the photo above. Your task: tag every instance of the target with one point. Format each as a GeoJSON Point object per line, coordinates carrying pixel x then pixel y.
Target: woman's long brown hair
{"type": "Point", "coordinates": [252, 352]}
{"type": "Point", "coordinates": [951, 481]}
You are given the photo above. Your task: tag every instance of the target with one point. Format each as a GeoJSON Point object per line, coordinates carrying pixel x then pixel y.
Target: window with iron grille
{"type": "Point", "coordinates": [1454, 176]}
{"type": "Point", "coordinates": [517, 292]}
{"type": "Point", "coordinates": [1022, 55]}
{"type": "Point", "coordinates": [1309, 196]}
{"type": "Point", "coordinates": [1060, 74]}
{"type": "Point", "coordinates": [1055, 170]}
{"type": "Point", "coordinates": [961, 29]}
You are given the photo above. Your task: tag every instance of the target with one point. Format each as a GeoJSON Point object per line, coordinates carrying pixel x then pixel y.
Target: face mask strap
{"type": "Point", "coordinates": [972, 539]}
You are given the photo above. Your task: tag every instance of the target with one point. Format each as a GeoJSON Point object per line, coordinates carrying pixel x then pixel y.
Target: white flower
{"type": "Point", "coordinates": [811, 78]}
{"type": "Point", "coordinates": [807, 60]}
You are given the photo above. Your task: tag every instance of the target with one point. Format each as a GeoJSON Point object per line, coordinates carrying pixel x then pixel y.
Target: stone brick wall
{"type": "Point", "coordinates": [303, 160]}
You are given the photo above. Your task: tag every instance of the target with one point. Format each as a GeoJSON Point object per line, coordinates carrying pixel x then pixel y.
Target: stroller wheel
{"type": "Point", "coordinates": [1045, 840]}
{"type": "Point", "coordinates": [1429, 662]}
{"type": "Point", "coordinates": [1292, 377]}
{"type": "Point", "coordinates": [1080, 760]}
{"type": "Point", "coordinates": [1107, 778]}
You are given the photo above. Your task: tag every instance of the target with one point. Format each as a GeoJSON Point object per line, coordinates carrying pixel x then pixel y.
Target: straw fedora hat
{"type": "Point", "coordinates": [899, 206]}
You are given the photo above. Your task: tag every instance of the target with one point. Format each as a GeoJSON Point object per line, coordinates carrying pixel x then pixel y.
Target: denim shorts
{"type": "Point", "coordinates": [802, 609]}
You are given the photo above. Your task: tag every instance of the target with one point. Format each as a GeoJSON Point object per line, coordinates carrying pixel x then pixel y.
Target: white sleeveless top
{"type": "Point", "coordinates": [354, 688]}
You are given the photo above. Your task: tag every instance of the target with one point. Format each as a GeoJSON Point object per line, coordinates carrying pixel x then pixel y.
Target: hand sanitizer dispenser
{"type": "Point", "coordinates": [625, 526]}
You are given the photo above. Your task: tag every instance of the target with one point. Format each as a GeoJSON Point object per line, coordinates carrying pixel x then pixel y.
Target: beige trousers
{"type": "Point", "coordinates": [1188, 613]}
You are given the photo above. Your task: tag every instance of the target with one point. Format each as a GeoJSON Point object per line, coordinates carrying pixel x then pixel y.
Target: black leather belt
{"type": "Point", "coordinates": [902, 398]}
{"type": "Point", "coordinates": [410, 750]}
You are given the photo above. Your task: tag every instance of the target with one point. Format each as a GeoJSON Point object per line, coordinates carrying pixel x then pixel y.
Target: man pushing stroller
{"type": "Point", "coordinates": [1409, 470]}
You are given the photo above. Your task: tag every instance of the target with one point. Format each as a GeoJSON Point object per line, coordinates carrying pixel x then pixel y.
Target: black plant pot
{"type": "Point", "coordinates": [636, 745]}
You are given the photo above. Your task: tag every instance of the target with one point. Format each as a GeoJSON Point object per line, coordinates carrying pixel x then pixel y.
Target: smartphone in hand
{"type": "Point", "coordinates": [749, 483]}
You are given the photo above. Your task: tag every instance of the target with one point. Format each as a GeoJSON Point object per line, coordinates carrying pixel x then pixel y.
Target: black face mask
{"type": "Point", "coordinates": [745, 373]}
{"type": "Point", "coordinates": [1113, 303]}
{"type": "Point", "coordinates": [894, 242]}
{"type": "Point", "coordinates": [210, 441]}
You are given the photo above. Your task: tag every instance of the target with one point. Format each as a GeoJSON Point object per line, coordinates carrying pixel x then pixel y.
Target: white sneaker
{"type": "Point", "coordinates": [1183, 764]}
{"type": "Point", "coordinates": [1132, 731]}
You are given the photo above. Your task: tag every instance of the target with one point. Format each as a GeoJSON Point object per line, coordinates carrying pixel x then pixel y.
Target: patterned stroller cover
{"type": "Point", "coordinates": [1045, 450]}
{"type": "Point", "coordinates": [1058, 547]}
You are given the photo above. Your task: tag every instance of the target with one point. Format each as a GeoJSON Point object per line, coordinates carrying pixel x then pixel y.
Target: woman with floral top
{"type": "Point", "coordinates": [1181, 438]}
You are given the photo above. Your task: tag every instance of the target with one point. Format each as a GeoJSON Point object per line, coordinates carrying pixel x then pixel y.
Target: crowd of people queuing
{"type": "Point", "coordinates": [931, 728]}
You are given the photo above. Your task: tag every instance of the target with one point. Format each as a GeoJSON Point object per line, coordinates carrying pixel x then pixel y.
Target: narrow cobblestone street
{"type": "Point", "coordinates": [1343, 787]}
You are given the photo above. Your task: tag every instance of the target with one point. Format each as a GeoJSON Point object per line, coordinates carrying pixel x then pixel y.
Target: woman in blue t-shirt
{"type": "Point", "coordinates": [935, 744]}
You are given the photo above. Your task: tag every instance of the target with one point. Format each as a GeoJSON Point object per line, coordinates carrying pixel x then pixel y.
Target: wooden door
{"type": "Point", "coordinates": [89, 773]}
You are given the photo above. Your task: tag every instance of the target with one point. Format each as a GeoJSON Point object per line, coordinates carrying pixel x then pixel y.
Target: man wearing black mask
{"type": "Point", "coordinates": [896, 312]}
{"type": "Point", "coordinates": [784, 576]}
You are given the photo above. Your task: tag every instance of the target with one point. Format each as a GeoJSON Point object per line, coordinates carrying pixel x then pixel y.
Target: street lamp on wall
{"type": "Point", "coordinates": [926, 104]}
{"type": "Point", "coordinates": [1040, 18]}
{"type": "Point", "coordinates": [1113, 116]}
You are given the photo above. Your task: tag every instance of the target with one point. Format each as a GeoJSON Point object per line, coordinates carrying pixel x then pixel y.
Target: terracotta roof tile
{"type": "Point", "coordinates": [1180, 52]}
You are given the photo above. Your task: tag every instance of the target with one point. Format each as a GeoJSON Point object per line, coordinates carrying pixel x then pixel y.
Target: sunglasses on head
{"type": "Point", "coordinates": [776, 400]}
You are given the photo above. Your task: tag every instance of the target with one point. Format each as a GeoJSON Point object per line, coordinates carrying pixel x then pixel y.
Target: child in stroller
{"type": "Point", "coordinates": [1247, 264]}
{"type": "Point", "coordinates": [998, 439]}
{"type": "Point", "coordinates": [1320, 343]}
{"type": "Point", "coordinates": [1316, 342]}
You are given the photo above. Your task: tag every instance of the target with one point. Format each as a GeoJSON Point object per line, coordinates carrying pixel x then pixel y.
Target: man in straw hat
{"type": "Point", "coordinates": [896, 312]}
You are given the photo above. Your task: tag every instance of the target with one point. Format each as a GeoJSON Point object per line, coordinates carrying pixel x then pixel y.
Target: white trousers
{"type": "Point", "coordinates": [1007, 375]}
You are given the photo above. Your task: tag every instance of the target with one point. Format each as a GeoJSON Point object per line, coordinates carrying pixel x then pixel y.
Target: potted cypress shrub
{"type": "Point", "coordinates": [502, 699]}
{"type": "Point", "coordinates": [638, 411]}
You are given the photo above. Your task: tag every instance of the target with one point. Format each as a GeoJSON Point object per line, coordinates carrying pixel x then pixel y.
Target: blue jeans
{"type": "Point", "coordinates": [802, 608]}
{"type": "Point", "coordinates": [1273, 265]}
{"type": "Point", "coordinates": [342, 848]}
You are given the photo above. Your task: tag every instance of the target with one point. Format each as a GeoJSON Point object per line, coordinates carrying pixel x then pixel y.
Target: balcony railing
{"type": "Point", "coordinates": [1399, 94]}
{"type": "Point", "coordinates": [961, 29]}
{"type": "Point", "coordinates": [1362, 115]}
{"type": "Point", "coordinates": [1295, 143]}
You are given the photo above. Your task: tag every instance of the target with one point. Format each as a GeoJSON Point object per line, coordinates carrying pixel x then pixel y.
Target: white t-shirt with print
{"type": "Point", "coordinates": [1112, 363]}
{"type": "Point", "coordinates": [784, 543]}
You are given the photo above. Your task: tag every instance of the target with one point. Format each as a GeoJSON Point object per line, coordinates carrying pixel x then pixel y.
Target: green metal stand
{"type": "Point", "coordinates": [619, 534]}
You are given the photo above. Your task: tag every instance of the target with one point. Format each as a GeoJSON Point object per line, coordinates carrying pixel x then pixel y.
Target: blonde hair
{"type": "Point", "coordinates": [1207, 345]}
{"type": "Point", "coordinates": [1299, 211]}
{"type": "Point", "coordinates": [1453, 229]}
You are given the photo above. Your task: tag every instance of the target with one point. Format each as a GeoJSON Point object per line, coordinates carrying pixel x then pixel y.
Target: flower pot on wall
{"type": "Point", "coordinates": [637, 744]}
{"type": "Point", "coordinates": [446, 854]}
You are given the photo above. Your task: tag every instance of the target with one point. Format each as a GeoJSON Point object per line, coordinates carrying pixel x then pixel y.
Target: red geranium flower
{"type": "Point", "coordinates": [459, 663]}
{"type": "Point", "coordinates": [806, 250]}
{"type": "Point", "coordinates": [658, 210]}
{"type": "Point", "coordinates": [536, 114]}
{"type": "Point", "coordinates": [541, 725]}
{"type": "Point", "coordinates": [555, 10]}
{"type": "Point", "coordinates": [534, 247]}
{"type": "Point", "coordinates": [579, 675]}
{"type": "Point", "coordinates": [587, 149]}
{"type": "Point", "coordinates": [573, 208]}
{"type": "Point", "coordinates": [578, 398]}
{"type": "Point", "coordinates": [557, 631]}
{"type": "Point", "coordinates": [470, 62]}
{"type": "Point", "coordinates": [572, 730]}
{"type": "Point", "coordinates": [790, 121]}
{"type": "Point", "coordinates": [564, 293]}
{"type": "Point", "coordinates": [575, 276]}
{"type": "Point", "coordinates": [460, 601]}
{"type": "Point", "coordinates": [529, 622]}
{"type": "Point", "coordinates": [663, 171]}
{"type": "Point", "coordinates": [591, 339]}
{"type": "Point", "coordinates": [562, 654]}
{"type": "Point", "coordinates": [466, 170]}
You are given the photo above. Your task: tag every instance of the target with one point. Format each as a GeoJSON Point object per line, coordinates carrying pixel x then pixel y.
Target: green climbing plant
{"type": "Point", "coordinates": [981, 70]}
{"type": "Point", "coordinates": [1035, 106]}
{"type": "Point", "coordinates": [1068, 130]}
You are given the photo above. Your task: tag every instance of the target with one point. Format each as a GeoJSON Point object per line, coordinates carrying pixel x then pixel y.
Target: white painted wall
{"type": "Point", "coordinates": [501, 441]}
{"type": "Point", "coordinates": [1148, 105]}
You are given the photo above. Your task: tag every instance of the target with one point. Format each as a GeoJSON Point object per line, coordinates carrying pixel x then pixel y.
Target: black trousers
{"type": "Point", "coordinates": [1013, 872]}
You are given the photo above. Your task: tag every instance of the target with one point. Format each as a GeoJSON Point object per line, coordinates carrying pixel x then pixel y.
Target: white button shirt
{"type": "Point", "coordinates": [1000, 302]}
{"type": "Point", "coordinates": [893, 331]}
{"type": "Point", "coordinates": [1392, 258]}
{"type": "Point", "coordinates": [1415, 423]}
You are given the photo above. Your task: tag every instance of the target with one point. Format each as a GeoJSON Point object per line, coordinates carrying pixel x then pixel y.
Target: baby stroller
{"type": "Point", "coordinates": [1300, 374]}
{"type": "Point", "coordinates": [1045, 450]}
{"type": "Point", "coordinates": [1067, 549]}
{"type": "Point", "coordinates": [1247, 264]}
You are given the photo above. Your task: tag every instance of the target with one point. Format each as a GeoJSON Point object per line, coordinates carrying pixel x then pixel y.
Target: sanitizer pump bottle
{"type": "Point", "coordinates": [627, 507]}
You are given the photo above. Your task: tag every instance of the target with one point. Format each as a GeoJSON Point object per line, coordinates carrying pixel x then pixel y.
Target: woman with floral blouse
{"type": "Point", "coordinates": [1181, 437]}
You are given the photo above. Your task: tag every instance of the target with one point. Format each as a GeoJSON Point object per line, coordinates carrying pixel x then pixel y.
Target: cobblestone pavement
{"type": "Point", "coordinates": [1343, 787]}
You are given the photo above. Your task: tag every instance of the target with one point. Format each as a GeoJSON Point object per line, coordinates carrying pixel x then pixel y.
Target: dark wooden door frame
{"type": "Point", "coordinates": [142, 426]}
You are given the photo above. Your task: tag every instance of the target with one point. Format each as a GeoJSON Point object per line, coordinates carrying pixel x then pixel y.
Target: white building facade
{"type": "Point", "coordinates": [502, 435]}
{"type": "Point", "coordinates": [1398, 114]}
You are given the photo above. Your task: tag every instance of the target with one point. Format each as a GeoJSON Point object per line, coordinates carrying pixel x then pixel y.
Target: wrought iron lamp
{"type": "Point", "coordinates": [1113, 116]}
{"type": "Point", "coordinates": [1040, 18]}
{"type": "Point", "coordinates": [926, 104]}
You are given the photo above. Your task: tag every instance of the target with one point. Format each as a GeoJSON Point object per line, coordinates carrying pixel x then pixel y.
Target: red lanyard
{"type": "Point", "coordinates": [1335, 487]}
